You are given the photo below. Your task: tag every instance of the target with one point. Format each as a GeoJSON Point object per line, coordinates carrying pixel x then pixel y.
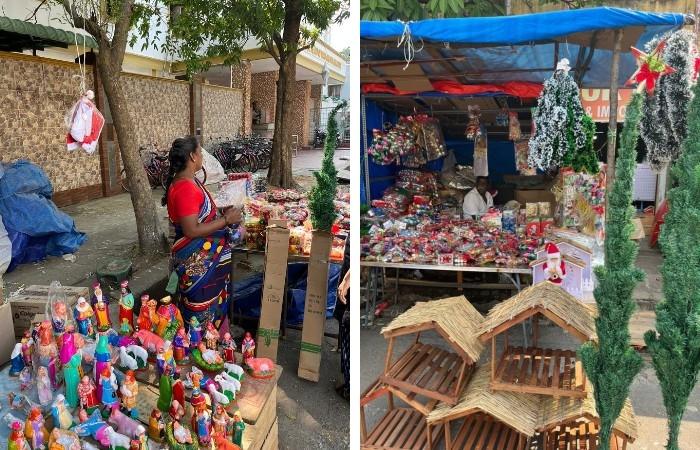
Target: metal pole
{"type": "Point", "coordinates": [612, 124]}
{"type": "Point", "coordinates": [365, 144]}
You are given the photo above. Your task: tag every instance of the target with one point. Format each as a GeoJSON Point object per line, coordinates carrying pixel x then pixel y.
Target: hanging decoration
{"type": "Point", "coordinates": [514, 132]}
{"type": "Point", "coordinates": [650, 67]}
{"type": "Point", "coordinates": [481, 155]}
{"type": "Point", "coordinates": [663, 126]}
{"type": "Point", "coordinates": [559, 121]}
{"type": "Point", "coordinates": [474, 125]}
{"type": "Point", "coordinates": [412, 142]}
{"type": "Point", "coordinates": [84, 124]}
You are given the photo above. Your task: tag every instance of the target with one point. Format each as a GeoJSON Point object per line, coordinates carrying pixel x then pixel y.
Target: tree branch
{"type": "Point", "coordinates": [121, 33]}
{"type": "Point", "coordinates": [269, 46]}
{"type": "Point", "coordinates": [36, 10]}
{"type": "Point", "coordinates": [88, 25]}
{"type": "Point", "coordinates": [306, 47]}
{"type": "Point", "coordinates": [280, 45]}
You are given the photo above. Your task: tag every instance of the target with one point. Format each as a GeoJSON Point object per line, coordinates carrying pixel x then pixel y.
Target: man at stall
{"type": "Point", "coordinates": [478, 200]}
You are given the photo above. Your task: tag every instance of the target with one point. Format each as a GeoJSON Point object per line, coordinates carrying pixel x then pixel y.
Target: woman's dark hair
{"type": "Point", "coordinates": [179, 154]}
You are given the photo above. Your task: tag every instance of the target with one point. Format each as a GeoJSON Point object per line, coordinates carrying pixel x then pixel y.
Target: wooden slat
{"type": "Point", "coordinates": [502, 363]}
{"type": "Point", "coordinates": [485, 432]}
{"type": "Point", "coordinates": [524, 367]}
{"type": "Point", "coordinates": [545, 368]}
{"type": "Point", "coordinates": [556, 370]}
{"type": "Point", "coordinates": [566, 381]}
{"type": "Point", "coordinates": [537, 357]}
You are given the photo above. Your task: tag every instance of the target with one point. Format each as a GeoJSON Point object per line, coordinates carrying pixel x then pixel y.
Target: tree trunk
{"type": "Point", "coordinates": [280, 173]}
{"type": "Point", "coordinates": [604, 435]}
{"type": "Point", "coordinates": [150, 235]}
{"type": "Point", "coordinates": [674, 427]}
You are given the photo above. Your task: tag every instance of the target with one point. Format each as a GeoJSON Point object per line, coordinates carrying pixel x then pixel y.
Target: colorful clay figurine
{"type": "Point", "coordinates": [68, 345]}
{"type": "Point", "coordinates": [229, 385]}
{"type": "Point", "coordinates": [103, 356]}
{"type": "Point", "coordinates": [238, 428]}
{"type": "Point", "coordinates": [129, 391]}
{"type": "Point", "coordinates": [178, 388]}
{"type": "Point", "coordinates": [211, 336]}
{"type": "Point", "coordinates": [201, 423]}
{"type": "Point", "coordinates": [228, 345]}
{"type": "Point", "coordinates": [63, 440]}
{"type": "Point", "coordinates": [61, 416]}
{"type": "Point", "coordinates": [221, 442]}
{"type": "Point", "coordinates": [43, 386]}
{"type": "Point", "coordinates": [47, 351]}
{"type": "Point", "coordinates": [126, 425]}
{"type": "Point", "coordinates": [195, 332]}
{"type": "Point", "coordinates": [176, 410]}
{"type": "Point", "coordinates": [207, 359]}
{"type": "Point", "coordinates": [16, 440]}
{"type": "Point", "coordinates": [84, 314]}
{"type": "Point", "coordinates": [59, 316]}
{"type": "Point", "coordinates": [87, 392]}
{"type": "Point", "coordinates": [181, 344]}
{"type": "Point", "coordinates": [34, 429]}
{"type": "Point", "coordinates": [125, 329]}
{"type": "Point", "coordinates": [165, 391]}
{"type": "Point", "coordinates": [221, 421]}
{"type": "Point", "coordinates": [156, 426]}
{"type": "Point", "coordinates": [82, 415]}
{"type": "Point", "coordinates": [107, 390]}
{"type": "Point", "coordinates": [71, 375]}
{"type": "Point", "coordinates": [27, 348]}
{"type": "Point", "coordinates": [149, 340]}
{"type": "Point", "coordinates": [166, 314]}
{"type": "Point", "coordinates": [181, 434]}
{"type": "Point", "coordinates": [148, 309]}
{"type": "Point", "coordinates": [248, 347]}
{"type": "Point", "coordinates": [97, 294]}
{"type": "Point", "coordinates": [262, 368]}
{"type": "Point", "coordinates": [126, 304]}
{"type": "Point", "coordinates": [16, 360]}
{"type": "Point", "coordinates": [102, 315]}
{"type": "Point", "coordinates": [25, 378]}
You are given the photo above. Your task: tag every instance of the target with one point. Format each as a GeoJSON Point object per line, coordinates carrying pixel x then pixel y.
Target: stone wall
{"type": "Point", "coordinates": [264, 92]}
{"type": "Point", "coordinates": [222, 112]}
{"type": "Point", "coordinates": [159, 107]}
{"type": "Point", "coordinates": [300, 119]}
{"type": "Point", "coordinates": [35, 94]}
{"type": "Point", "coordinates": [241, 79]}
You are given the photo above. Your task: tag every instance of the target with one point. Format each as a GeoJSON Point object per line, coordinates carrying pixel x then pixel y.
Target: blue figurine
{"type": "Point", "coordinates": [17, 360]}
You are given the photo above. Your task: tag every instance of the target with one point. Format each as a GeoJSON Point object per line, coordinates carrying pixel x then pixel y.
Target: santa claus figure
{"type": "Point", "coordinates": [554, 268]}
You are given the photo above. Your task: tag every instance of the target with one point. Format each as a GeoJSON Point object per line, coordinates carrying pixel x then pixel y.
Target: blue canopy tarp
{"type": "Point", "coordinates": [523, 47]}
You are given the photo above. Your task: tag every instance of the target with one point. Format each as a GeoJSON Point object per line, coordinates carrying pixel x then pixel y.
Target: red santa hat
{"type": "Point", "coordinates": [552, 250]}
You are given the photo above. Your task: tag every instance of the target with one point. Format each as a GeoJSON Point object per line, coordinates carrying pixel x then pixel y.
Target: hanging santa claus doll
{"type": "Point", "coordinates": [84, 123]}
{"type": "Point", "coordinates": [554, 268]}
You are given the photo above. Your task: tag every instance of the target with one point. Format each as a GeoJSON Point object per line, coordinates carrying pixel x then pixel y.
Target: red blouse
{"type": "Point", "coordinates": [185, 198]}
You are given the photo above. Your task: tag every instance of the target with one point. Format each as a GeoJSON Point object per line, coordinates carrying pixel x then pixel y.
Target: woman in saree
{"type": "Point", "coordinates": [201, 252]}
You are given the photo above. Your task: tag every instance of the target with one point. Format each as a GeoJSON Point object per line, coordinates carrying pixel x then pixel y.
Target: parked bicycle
{"type": "Point", "coordinates": [242, 153]}
{"type": "Point", "coordinates": [157, 166]}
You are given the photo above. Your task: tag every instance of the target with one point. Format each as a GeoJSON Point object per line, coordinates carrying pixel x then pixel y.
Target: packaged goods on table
{"type": "Point", "coordinates": [581, 202]}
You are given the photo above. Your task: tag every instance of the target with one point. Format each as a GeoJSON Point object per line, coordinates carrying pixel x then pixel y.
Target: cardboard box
{"type": "Point", "coordinates": [7, 340]}
{"type": "Point", "coordinates": [525, 196]}
{"type": "Point", "coordinates": [273, 295]}
{"type": "Point", "coordinates": [446, 259]}
{"type": "Point", "coordinates": [315, 307]}
{"type": "Point", "coordinates": [32, 301]}
{"type": "Point", "coordinates": [638, 232]}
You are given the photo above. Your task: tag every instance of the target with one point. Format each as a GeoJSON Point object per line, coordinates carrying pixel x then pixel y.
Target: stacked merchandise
{"type": "Point", "coordinates": [527, 397]}
{"type": "Point", "coordinates": [581, 202]}
{"type": "Point", "coordinates": [292, 206]}
{"type": "Point", "coordinates": [412, 142]}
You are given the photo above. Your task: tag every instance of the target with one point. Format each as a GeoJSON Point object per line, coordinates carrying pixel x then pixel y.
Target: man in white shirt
{"type": "Point", "coordinates": [477, 201]}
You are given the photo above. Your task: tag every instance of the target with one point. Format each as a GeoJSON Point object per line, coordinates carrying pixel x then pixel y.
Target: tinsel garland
{"type": "Point", "coordinates": [664, 120]}
{"type": "Point", "coordinates": [322, 195]}
{"type": "Point", "coordinates": [611, 364]}
{"type": "Point", "coordinates": [559, 122]}
{"type": "Point", "coordinates": [675, 350]}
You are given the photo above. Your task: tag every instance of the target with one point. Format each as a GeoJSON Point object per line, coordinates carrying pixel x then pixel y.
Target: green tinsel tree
{"type": "Point", "coordinates": [612, 364]}
{"type": "Point", "coordinates": [675, 350]}
{"type": "Point", "coordinates": [322, 195]}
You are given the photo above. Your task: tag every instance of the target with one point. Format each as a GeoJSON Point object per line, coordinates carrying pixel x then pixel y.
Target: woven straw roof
{"type": "Point", "coordinates": [547, 297]}
{"type": "Point", "coordinates": [517, 410]}
{"type": "Point", "coordinates": [454, 318]}
{"type": "Point", "coordinates": [554, 411]}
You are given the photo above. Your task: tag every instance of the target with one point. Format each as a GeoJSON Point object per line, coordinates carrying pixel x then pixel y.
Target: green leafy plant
{"type": "Point", "coordinates": [612, 363]}
{"type": "Point", "coordinates": [675, 344]}
{"type": "Point", "coordinates": [414, 10]}
{"type": "Point", "coordinates": [322, 195]}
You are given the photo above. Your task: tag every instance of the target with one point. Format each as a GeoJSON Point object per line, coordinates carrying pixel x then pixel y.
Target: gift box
{"type": "Point", "coordinates": [546, 224]}
{"type": "Point", "coordinates": [533, 227]}
{"type": "Point", "coordinates": [446, 259]}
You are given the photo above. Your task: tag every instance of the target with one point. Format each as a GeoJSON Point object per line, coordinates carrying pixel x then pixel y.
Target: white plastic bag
{"type": "Point", "coordinates": [215, 171]}
{"type": "Point", "coordinates": [231, 193]}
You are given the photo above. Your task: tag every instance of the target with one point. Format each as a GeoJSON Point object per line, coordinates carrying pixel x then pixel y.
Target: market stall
{"type": "Point", "coordinates": [492, 97]}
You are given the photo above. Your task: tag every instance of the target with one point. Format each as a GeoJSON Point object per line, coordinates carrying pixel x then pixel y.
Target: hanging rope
{"type": "Point", "coordinates": [409, 51]}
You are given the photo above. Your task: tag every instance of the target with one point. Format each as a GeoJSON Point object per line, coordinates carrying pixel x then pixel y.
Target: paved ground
{"type": "Point", "coordinates": [645, 391]}
{"type": "Point", "coordinates": [311, 415]}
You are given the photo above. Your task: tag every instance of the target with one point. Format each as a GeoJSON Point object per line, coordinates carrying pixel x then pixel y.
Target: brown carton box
{"type": "Point", "coordinates": [32, 301]}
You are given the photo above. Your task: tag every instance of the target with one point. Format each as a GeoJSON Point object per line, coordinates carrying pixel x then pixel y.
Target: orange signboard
{"type": "Point", "coordinates": [596, 103]}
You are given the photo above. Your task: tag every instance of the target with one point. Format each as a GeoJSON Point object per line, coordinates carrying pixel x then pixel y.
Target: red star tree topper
{"type": "Point", "coordinates": [650, 67]}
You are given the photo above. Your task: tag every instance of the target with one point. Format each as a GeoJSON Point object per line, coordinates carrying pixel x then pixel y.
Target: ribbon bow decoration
{"type": "Point", "coordinates": [650, 67]}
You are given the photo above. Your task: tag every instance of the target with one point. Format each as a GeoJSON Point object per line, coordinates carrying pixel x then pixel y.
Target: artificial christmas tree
{"type": "Point", "coordinates": [664, 117]}
{"type": "Point", "coordinates": [562, 134]}
{"type": "Point", "coordinates": [612, 364]}
{"type": "Point", "coordinates": [675, 344]}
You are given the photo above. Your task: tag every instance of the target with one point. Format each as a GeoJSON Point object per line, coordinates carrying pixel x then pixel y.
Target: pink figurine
{"type": "Point", "coordinates": [248, 347]}
{"type": "Point", "coordinates": [68, 347]}
{"type": "Point", "coordinates": [87, 392]}
{"type": "Point", "coordinates": [43, 386]}
{"type": "Point", "coordinates": [229, 347]}
{"type": "Point", "coordinates": [25, 378]}
{"type": "Point", "coordinates": [27, 348]}
{"type": "Point", "coordinates": [181, 344]}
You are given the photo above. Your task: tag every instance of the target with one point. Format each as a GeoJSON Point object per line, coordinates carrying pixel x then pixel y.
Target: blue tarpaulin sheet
{"type": "Point", "coordinates": [35, 226]}
{"type": "Point", "coordinates": [499, 48]}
